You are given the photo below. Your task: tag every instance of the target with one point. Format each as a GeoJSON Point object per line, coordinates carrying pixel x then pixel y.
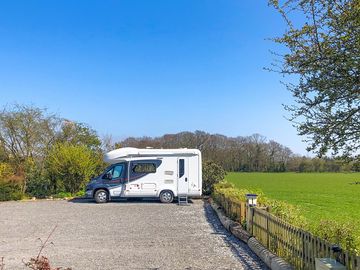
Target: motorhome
{"type": "Point", "coordinates": [160, 173]}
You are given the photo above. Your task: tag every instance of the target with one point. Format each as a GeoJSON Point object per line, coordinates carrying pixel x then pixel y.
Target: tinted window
{"type": "Point", "coordinates": [181, 167]}
{"type": "Point", "coordinates": [144, 168]}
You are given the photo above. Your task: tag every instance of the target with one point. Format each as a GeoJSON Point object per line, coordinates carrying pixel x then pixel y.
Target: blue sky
{"type": "Point", "coordinates": [135, 68]}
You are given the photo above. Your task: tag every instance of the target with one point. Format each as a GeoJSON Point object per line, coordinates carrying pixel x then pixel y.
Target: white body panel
{"type": "Point", "coordinates": [167, 175]}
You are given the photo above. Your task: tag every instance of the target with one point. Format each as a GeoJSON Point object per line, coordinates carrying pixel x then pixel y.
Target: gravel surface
{"type": "Point", "coordinates": [121, 235]}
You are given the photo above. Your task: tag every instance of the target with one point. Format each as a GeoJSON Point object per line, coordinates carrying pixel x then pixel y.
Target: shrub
{"type": "Point", "coordinates": [62, 195]}
{"type": "Point", "coordinates": [5, 170]}
{"type": "Point", "coordinates": [9, 191]}
{"type": "Point", "coordinates": [283, 210]}
{"type": "Point", "coordinates": [80, 193]}
{"type": "Point", "coordinates": [37, 184]}
{"type": "Point", "coordinates": [71, 166]}
{"type": "Point", "coordinates": [212, 173]}
{"type": "Point", "coordinates": [341, 233]}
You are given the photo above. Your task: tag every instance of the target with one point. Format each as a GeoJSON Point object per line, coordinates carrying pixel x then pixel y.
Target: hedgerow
{"type": "Point", "coordinates": [341, 233]}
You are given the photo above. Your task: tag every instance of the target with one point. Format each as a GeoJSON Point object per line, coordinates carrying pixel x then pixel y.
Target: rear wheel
{"type": "Point", "coordinates": [166, 196]}
{"type": "Point", "coordinates": [101, 196]}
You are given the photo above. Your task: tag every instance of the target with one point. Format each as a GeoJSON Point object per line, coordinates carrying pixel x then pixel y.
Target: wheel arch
{"type": "Point", "coordinates": [167, 189]}
{"type": "Point", "coordinates": [103, 188]}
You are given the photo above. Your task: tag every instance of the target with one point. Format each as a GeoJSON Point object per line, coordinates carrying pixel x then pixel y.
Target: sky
{"type": "Point", "coordinates": [147, 68]}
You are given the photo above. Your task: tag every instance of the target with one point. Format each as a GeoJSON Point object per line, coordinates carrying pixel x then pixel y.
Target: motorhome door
{"type": "Point", "coordinates": [183, 175]}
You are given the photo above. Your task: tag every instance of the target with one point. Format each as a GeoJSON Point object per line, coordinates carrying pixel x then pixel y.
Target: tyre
{"type": "Point", "coordinates": [166, 196]}
{"type": "Point", "coordinates": [101, 196]}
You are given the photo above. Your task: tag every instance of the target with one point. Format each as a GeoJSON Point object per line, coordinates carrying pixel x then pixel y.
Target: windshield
{"type": "Point", "coordinates": [105, 170]}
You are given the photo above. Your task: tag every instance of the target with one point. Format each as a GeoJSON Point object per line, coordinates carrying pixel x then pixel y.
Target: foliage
{"type": "Point", "coordinates": [71, 166]}
{"type": "Point", "coordinates": [29, 140]}
{"type": "Point", "coordinates": [38, 185]}
{"type": "Point", "coordinates": [26, 132]}
{"type": "Point", "coordinates": [323, 61]}
{"type": "Point", "coordinates": [9, 191]}
{"type": "Point", "coordinates": [212, 173]}
{"type": "Point", "coordinates": [286, 211]}
{"type": "Point", "coordinates": [5, 170]}
{"type": "Point", "coordinates": [62, 195]}
{"type": "Point", "coordinates": [80, 193]}
{"type": "Point", "coordinates": [281, 209]}
{"type": "Point", "coordinates": [341, 233]}
{"type": "Point", "coordinates": [78, 134]}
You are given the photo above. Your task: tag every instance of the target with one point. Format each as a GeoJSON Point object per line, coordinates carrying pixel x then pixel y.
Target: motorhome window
{"type": "Point", "coordinates": [115, 171]}
{"type": "Point", "coordinates": [144, 168]}
{"type": "Point", "coordinates": [181, 167]}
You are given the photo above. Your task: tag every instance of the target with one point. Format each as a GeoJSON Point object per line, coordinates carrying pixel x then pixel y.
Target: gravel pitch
{"type": "Point", "coordinates": [120, 235]}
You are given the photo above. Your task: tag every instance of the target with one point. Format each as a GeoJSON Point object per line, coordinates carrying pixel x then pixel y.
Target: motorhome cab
{"type": "Point", "coordinates": [161, 173]}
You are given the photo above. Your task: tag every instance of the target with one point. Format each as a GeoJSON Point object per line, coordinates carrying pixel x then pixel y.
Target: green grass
{"type": "Point", "coordinates": [318, 195]}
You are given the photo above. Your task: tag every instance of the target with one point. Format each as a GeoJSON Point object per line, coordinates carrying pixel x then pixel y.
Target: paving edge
{"type": "Point", "coordinates": [270, 259]}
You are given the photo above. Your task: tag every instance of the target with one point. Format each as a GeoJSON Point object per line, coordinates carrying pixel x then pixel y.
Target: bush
{"type": "Point", "coordinates": [341, 233]}
{"type": "Point", "coordinates": [335, 232]}
{"type": "Point", "coordinates": [71, 166]}
{"type": "Point", "coordinates": [80, 193]}
{"type": "Point", "coordinates": [62, 195]}
{"type": "Point", "coordinates": [283, 210]}
{"type": "Point", "coordinates": [5, 170]}
{"type": "Point", "coordinates": [37, 184]}
{"type": "Point", "coordinates": [212, 173]}
{"type": "Point", "coordinates": [9, 191]}
{"type": "Point", "coordinates": [39, 187]}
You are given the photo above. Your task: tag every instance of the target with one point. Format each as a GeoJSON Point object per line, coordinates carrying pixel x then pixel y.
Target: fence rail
{"type": "Point", "coordinates": [298, 247]}
{"type": "Point", "coordinates": [236, 210]}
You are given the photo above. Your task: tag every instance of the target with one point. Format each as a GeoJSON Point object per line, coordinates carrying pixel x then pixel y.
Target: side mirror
{"type": "Point", "coordinates": [108, 176]}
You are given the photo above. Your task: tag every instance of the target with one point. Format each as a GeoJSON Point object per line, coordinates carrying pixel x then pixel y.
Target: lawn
{"type": "Point", "coordinates": [318, 195]}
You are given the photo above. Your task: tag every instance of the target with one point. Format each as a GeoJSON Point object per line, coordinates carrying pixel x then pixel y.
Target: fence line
{"type": "Point", "coordinates": [298, 247]}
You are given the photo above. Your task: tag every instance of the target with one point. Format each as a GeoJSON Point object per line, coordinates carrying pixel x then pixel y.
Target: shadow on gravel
{"type": "Point", "coordinates": [128, 200]}
{"type": "Point", "coordinates": [240, 250]}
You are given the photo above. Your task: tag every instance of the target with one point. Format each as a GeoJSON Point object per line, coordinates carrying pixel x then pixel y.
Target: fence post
{"type": "Point", "coordinates": [249, 218]}
{"type": "Point", "coordinates": [267, 231]}
{"type": "Point", "coordinates": [250, 204]}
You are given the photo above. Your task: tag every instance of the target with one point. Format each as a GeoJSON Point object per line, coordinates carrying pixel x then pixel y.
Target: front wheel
{"type": "Point", "coordinates": [101, 196]}
{"type": "Point", "coordinates": [166, 196]}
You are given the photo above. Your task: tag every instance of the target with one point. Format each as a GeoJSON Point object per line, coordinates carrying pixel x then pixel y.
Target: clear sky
{"type": "Point", "coordinates": [135, 68]}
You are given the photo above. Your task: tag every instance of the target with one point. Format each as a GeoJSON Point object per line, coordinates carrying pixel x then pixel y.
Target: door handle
{"type": "Point", "coordinates": [185, 179]}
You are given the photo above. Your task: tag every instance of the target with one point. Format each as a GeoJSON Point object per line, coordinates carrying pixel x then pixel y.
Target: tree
{"type": "Point", "coordinates": [78, 134]}
{"type": "Point", "coordinates": [26, 133]}
{"type": "Point", "coordinates": [324, 57]}
{"type": "Point", "coordinates": [108, 144]}
{"type": "Point", "coordinates": [70, 166]}
{"type": "Point", "coordinates": [212, 173]}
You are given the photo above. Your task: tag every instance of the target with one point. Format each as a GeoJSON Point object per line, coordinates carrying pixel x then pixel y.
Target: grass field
{"type": "Point", "coordinates": [318, 195]}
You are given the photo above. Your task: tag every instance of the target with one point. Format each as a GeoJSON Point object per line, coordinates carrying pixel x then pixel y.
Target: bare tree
{"type": "Point", "coordinates": [26, 133]}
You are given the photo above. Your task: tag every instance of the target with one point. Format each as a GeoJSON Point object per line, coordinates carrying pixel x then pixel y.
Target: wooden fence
{"type": "Point", "coordinates": [236, 210]}
{"type": "Point", "coordinates": [298, 247]}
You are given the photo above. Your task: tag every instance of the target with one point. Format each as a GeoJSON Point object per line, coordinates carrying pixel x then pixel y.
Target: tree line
{"type": "Point", "coordinates": [253, 153]}
{"type": "Point", "coordinates": [43, 154]}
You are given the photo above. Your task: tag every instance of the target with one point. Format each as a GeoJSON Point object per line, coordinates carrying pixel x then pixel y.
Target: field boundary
{"type": "Point", "coordinates": [270, 259]}
{"type": "Point", "coordinates": [296, 246]}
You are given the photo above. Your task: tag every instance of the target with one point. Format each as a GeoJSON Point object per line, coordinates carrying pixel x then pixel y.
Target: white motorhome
{"type": "Point", "coordinates": [161, 173]}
